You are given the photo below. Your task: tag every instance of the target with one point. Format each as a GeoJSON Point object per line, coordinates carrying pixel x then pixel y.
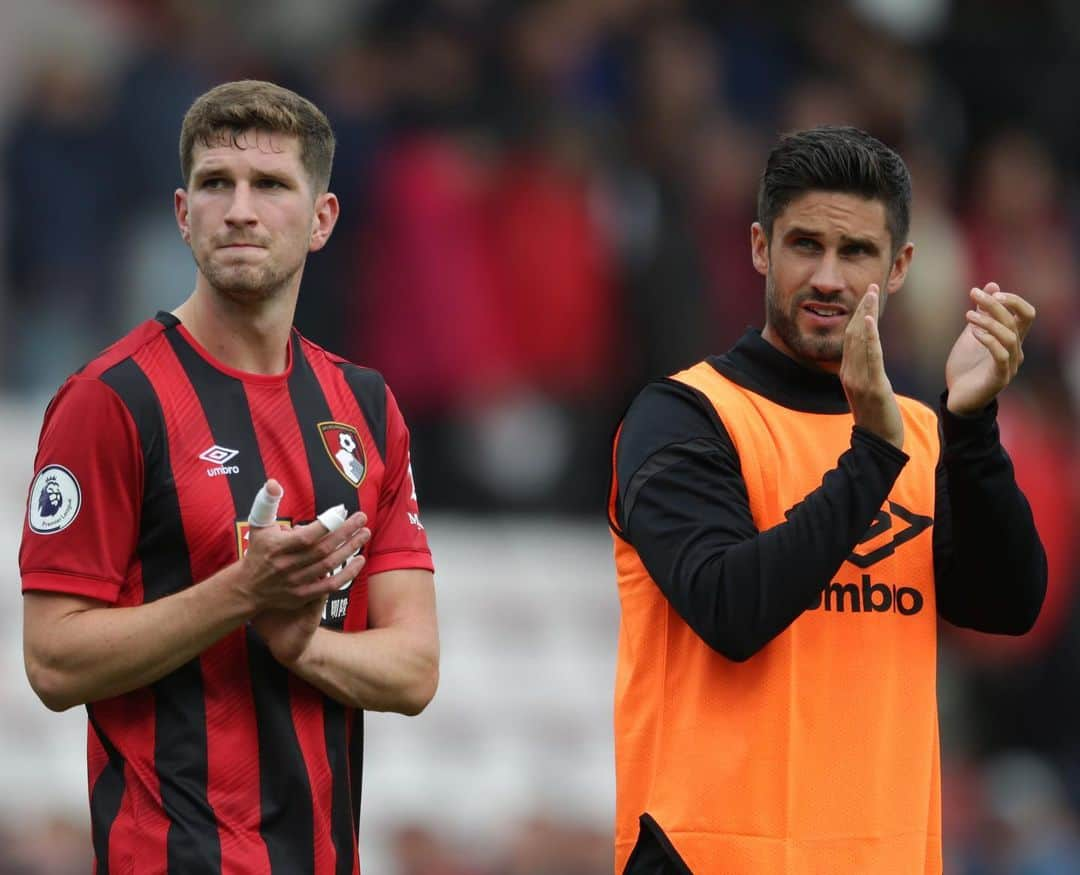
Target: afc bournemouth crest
{"type": "Point", "coordinates": [55, 499]}
{"type": "Point", "coordinates": [345, 449]}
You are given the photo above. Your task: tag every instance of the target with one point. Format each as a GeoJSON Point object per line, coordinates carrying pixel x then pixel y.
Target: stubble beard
{"type": "Point", "coordinates": [246, 283]}
{"type": "Point", "coordinates": [823, 347]}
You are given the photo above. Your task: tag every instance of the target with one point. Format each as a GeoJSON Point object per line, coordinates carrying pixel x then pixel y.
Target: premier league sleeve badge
{"type": "Point", "coordinates": [55, 500]}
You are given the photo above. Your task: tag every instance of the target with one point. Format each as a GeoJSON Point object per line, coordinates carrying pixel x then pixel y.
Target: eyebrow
{"type": "Point", "coordinates": [208, 170]}
{"type": "Point", "coordinates": [845, 239]}
{"type": "Point", "coordinates": [223, 170]}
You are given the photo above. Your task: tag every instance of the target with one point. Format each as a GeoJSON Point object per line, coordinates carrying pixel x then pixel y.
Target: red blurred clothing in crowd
{"type": "Point", "coordinates": [428, 310]}
{"type": "Point", "coordinates": [1042, 446]}
{"type": "Point", "coordinates": [478, 277]}
{"type": "Point", "coordinates": [555, 278]}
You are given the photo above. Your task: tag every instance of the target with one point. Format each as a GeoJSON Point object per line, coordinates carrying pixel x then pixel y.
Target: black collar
{"type": "Point", "coordinates": [757, 365]}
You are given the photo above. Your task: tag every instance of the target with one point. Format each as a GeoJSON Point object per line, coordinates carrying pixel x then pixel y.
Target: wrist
{"type": "Point", "coordinates": [965, 411]}
{"type": "Point", "coordinates": [303, 660]}
{"type": "Point", "coordinates": [236, 591]}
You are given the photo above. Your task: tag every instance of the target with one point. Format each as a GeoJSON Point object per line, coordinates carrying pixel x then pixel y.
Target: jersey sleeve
{"type": "Point", "coordinates": [82, 518]}
{"type": "Point", "coordinates": [979, 502]}
{"type": "Point", "coordinates": [399, 540]}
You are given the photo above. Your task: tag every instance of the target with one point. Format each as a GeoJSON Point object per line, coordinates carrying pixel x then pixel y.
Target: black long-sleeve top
{"type": "Point", "coordinates": [682, 503]}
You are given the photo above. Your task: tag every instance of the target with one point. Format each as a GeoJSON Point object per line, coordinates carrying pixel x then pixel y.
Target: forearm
{"type": "Point", "coordinates": [391, 669]}
{"type": "Point", "coordinates": [88, 654]}
{"type": "Point", "coordinates": [739, 588]}
{"type": "Point", "coordinates": [979, 504]}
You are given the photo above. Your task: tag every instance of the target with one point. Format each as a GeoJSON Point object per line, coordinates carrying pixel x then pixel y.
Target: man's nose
{"type": "Point", "coordinates": [827, 277]}
{"type": "Point", "coordinates": [241, 208]}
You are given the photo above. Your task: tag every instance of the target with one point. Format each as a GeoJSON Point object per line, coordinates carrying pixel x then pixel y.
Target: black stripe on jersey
{"type": "Point", "coordinates": [341, 811]}
{"type": "Point", "coordinates": [356, 761]}
{"type": "Point", "coordinates": [330, 488]}
{"type": "Point", "coordinates": [286, 823]}
{"type": "Point", "coordinates": [105, 796]}
{"type": "Point", "coordinates": [180, 746]}
{"type": "Point", "coordinates": [369, 387]}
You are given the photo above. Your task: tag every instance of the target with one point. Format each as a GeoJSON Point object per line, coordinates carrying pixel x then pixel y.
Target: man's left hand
{"type": "Point", "coordinates": [989, 351]}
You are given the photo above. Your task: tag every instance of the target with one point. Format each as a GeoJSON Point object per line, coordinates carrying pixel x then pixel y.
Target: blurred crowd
{"type": "Point", "coordinates": [546, 203]}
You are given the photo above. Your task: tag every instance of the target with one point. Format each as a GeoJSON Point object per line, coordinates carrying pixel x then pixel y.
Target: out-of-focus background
{"type": "Point", "coordinates": [546, 203]}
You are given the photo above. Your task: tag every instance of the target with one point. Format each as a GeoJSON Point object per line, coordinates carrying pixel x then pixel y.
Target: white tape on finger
{"type": "Point", "coordinates": [264, 508]}
{"type": "Point", "coordinates": [334, 517]}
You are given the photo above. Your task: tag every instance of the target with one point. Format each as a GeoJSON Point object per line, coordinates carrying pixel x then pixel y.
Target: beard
{"type": "Point", "coordinates": [823, 345]}
{"type": "Point", "coordinates": [246, 283]}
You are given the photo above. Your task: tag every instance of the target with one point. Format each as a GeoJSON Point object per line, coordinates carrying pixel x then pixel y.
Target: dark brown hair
{"type": "Point", "coordinates": [225, 112]}
{"type": "Point", "coordinates": [838, 159]}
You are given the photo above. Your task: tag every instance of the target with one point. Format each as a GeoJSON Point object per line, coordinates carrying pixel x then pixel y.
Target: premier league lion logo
{"type": "Point", "coordinates": [55, 499]}
{"type": "Point", "coordinates": [50, 499]}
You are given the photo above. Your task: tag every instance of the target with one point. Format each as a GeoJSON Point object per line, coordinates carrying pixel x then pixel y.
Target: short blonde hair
{"type": "Point", "coordinates": [223, 113]}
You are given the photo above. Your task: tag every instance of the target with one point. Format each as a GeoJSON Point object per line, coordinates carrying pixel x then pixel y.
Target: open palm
{"type": "Point", "coordinates": [988, 352]}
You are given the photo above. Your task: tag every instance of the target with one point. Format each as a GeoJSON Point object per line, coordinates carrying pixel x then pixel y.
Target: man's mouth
{"type": "Point", "coordinates": [826, 311]}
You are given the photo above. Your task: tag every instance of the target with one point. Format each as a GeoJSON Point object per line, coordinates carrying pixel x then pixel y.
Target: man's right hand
{"type": "Point", "coordinates": [862, 373]}
{"type": "Point", "coordinates": [285, 569]}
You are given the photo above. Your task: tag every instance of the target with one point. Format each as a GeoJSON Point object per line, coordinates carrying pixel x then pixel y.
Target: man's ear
{"type": "Point", "coordinates": [180, 207]}
{"type": "Point", "coordinates": [327, 210]}
{"type": "Point", "coordinates": [759, 248]}
{"type": "Point", "coordinates": [899, 269]}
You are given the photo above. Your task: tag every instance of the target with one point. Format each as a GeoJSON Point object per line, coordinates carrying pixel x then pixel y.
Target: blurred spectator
{"type": "Point", "coordinates": [931, 304]}
{"type": "Point", "coordinates": [1027, 828]}
{"type": "Point", "coordinates": [1019, 231]}
{"type": "Point", "coordinates": [353, 86]}
{"type": "Point", "coordinates": [544, 846]}
{"type": "Point", "coordinates": [55, 847]}
{"type": "Point", "coordinates": [725, 169]}
{"type": "Point", "coordinates": [675, 89]}
{"type": "Point", "coordinates": [419, 850]}
{"type": "Point", "coordinates": [64, 190]}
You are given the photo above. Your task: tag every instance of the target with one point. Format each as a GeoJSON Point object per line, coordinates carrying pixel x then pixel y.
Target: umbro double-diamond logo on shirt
{"type": "Point", "coordinates": [910, 525]}
{"type": "Point", "coordinates": [219, 456]}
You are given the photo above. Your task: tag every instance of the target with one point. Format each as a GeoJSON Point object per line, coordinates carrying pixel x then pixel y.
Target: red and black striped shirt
{"type": "Point", "coordinates": [147, 465]}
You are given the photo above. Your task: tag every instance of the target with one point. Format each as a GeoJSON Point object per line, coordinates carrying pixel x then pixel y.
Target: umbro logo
{"type": "Point", "coordinates": [868, 596]}
{"type": "Point", "coordinates": [218, 456]}
{"type": "Point", "coordinates": [910, 525]}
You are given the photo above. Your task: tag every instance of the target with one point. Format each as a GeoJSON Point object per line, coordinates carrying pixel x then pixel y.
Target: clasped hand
{"type": "Point", "coordinates": [291, 572]}
{"type": "Point", "coordinates": [989, 351]}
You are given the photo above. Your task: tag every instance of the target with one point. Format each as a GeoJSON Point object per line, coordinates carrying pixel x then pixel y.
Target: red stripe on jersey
{"type": "Point", "coordinates": [233, 758]}
{"type": "Point", "coordinates": [307, 711]}
{"type": "Point", "coordinates": [140, 831]}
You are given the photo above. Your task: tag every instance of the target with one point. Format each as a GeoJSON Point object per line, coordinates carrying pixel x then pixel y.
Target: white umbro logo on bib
{"type": "Point", "coordinates": [219, 455]}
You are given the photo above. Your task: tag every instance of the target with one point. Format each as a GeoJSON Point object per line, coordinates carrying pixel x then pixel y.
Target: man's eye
{"type": "Point", "coordinates": [213, 182]}
{"type": "Point", "coordinates": [270, 183]}
{"type": "Point", "coordinates": [806, 243]}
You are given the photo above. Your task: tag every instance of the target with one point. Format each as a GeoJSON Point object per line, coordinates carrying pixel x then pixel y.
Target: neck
{"type": "Point", "coordinates": [245, 335]}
